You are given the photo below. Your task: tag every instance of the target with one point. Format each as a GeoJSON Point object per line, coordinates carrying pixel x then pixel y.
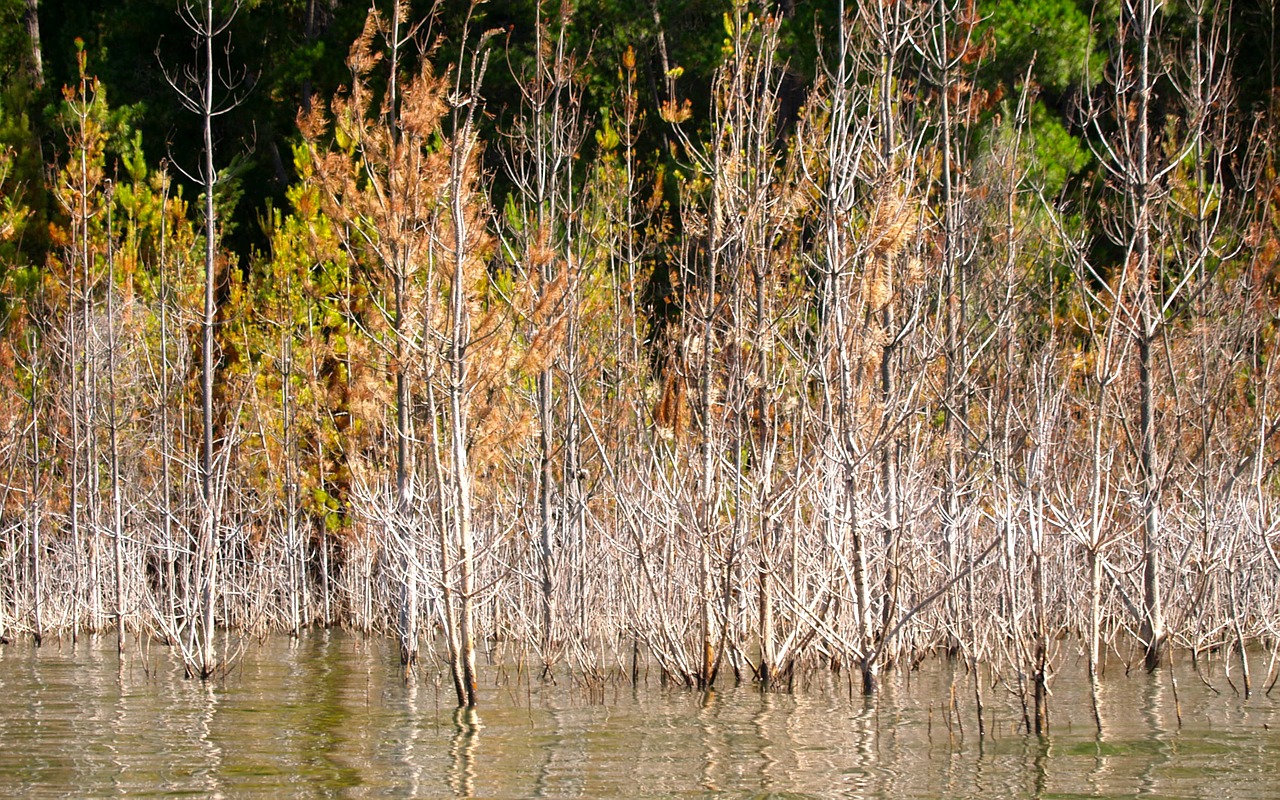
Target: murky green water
{"type": "Point", "coordinates": [328, 716]}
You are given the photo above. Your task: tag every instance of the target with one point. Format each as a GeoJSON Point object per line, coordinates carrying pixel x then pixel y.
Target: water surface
{"type": "Point", "coordinates": [327, 716]}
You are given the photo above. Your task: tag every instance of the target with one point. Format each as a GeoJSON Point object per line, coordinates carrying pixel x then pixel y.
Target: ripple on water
{"type": "Point", "coordinates": [327, 715]}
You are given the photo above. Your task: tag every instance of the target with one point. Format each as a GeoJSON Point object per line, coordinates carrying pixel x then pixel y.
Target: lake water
{"type": "Point", "coordinates": [327, 716]}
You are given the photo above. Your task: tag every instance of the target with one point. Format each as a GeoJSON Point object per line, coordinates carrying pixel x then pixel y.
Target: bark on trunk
{"type": "Point", "coordinates": [209, 543]}
{"type": "Point", "coordinates": [31, 19]}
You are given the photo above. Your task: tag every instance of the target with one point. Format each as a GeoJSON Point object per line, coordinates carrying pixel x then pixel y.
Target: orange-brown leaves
{"type": "Point", "coordinates": [894, 221]}
{"type": "Point", "coordinates": [363, 56]}
{"type": "Point", "coordinates": [672, 412]}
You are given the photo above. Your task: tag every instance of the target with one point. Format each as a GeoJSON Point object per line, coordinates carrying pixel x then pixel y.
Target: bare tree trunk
{"type": "Point", "coordinates": [546, 529]}
{"type": "Point", "coordinates": [10, 547]}
{"type": "Point", "coordinates": [37, 589]}
{"type": "Point", "coordinates": [765, 524]}
{"type": "Point", "coordinates": [170, 548]}
{"type": "Point", "coordinates": [1153, 632]}
{"type": "Point", "coordinates": [888, 30]}
{"type": "Point", "coordinates": [460, 162]}
{"type": "Point", "coordinates": [857, 350]}
{"type": "Point", "coordinates": [4, 602]}
{"type": "Point", "coordinates": [706, 499]}
{"type": "Point", "coordinates": [1095, 625]}
{"type": "Point", "coordinates": [1040, 649]}
{"type": "Point", "coordinates": [79, 332]}
{"type": "Point", "coordinates": [1132, 156]}
{"type": "Point", "coordinates": [113, 432]}
{"type": "Point", "coordinates": [35, 544]}
{"type": "Point", "coordinates": [445, 500]}
{"type": "Point", "coordinates": [1093, 545]}
{"type": "Point", "coordinates": [462, 470]}
{"type": "Point", "coordinates": [31, 19]}
{"type": "Point", "coordinates": [31, 505]}
{"type": "Point", "coordinates": [209, 524]}
{"type": "Point", "coordinates": [79, 368]}
{"type": "Point", "coordinates": [546, 146]}
{"type": "Point", "coordinates": [953, 310]}
{"type": "Point", "coordinates": [404, 532]}
{"type": "Point", "coordinates": [90, 382]}
{"type": "Point", "coordinates": [869, 658]}
{"type": "Point", "coordinates": [889, 487]}
{"type": "Point", "coordinates": [574, 474]}
{"type": "Point", "coordinates": [294, 552]}
{"type": "Point", "coordinates": [1153, 623]}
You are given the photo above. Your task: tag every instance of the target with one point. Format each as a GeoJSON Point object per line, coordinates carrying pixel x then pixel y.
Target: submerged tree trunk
{"type": "Point", "coordinates": [403, 530]}
{"type": "Point", "coordinates": [113, 431]}
{"type": "Point", "coordinates": [445, 500]}
{"type": "Point", "coordinates": [169, 546]}
{"type": "Point", "coordinates": [546, 523]}
{"type": "Point", "coordinates": [1040, 647]}
{"type": "Point", "coordinates": [869, 657]}
{"type": "Point", "coordinates": [1147, 321]}
{"type": "Point", "coordinates": [209, 525]}
{"type": "Point", "coordinates": [1153, 633]}
{"type": "Point", "coordinates": [706, 504]}
{"type": "Point", "coordinates": [462, 472]}
{"type": "Point", "coordinates": [1095, 631]}
{"type": "Point", "coordinates": [461, 165]}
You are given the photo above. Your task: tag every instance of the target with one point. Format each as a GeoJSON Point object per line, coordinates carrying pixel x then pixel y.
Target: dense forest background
{"type": "Point", "coordinates": [713, 336]}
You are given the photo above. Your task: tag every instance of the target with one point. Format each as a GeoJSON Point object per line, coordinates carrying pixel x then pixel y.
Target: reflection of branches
{"type": "Point", "coordinates": [462, 749]}
{"type": "Point", "coordinates": [208, 714]}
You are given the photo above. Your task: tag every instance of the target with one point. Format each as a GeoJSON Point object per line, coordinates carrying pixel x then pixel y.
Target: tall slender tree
{"type": "Point", "coordinates": [197, 87]}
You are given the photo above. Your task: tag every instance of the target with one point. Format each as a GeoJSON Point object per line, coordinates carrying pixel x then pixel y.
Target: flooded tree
{"type": "Point", "coordinates": [838, 360]}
